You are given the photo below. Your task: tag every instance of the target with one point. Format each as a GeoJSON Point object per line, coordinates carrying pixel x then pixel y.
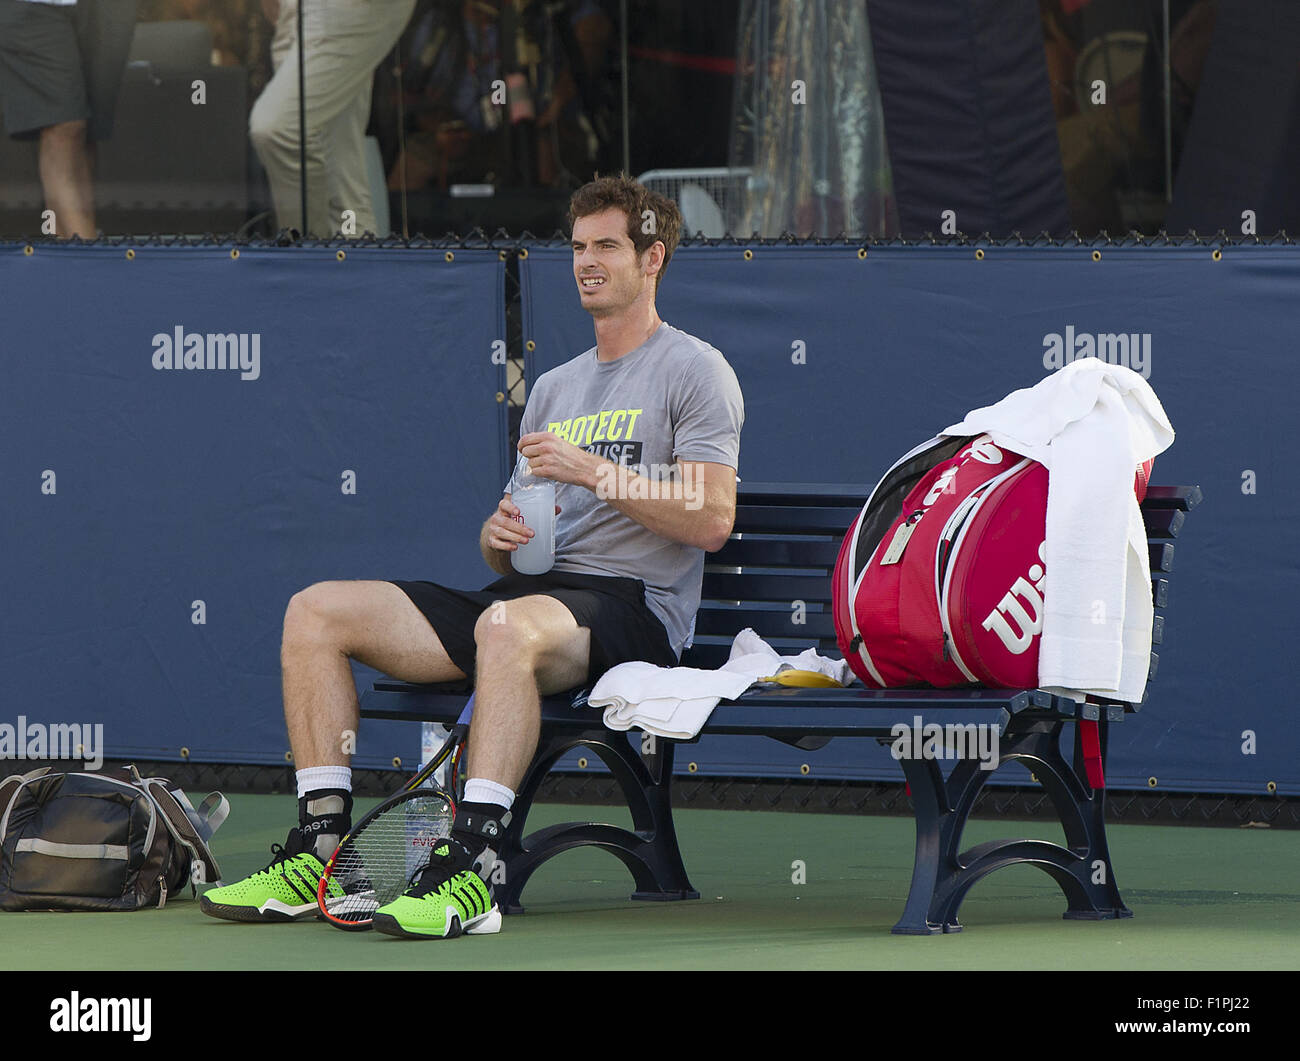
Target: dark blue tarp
{"type": "Point", "coordinates": [176, 487]}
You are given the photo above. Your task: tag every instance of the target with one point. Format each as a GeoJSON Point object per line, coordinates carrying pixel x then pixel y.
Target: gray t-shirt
{"type": "Point", "coordinates": [673, 397]}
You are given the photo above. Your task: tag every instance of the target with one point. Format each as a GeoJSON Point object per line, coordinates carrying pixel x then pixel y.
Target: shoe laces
{"type": "Point", "coordinates": [442, 867]}
{"type": "Point", "coordinates": [281, 853]}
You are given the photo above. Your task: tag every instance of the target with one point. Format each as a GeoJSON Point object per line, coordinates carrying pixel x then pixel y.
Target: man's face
{"type": "Point", "coordinates": [605, 266]}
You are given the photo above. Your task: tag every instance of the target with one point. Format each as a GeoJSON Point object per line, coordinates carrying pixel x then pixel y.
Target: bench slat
{"type": "Point", "coordinates": [766, 586]}
{"type": "Point", "coordinates": [1161, 556]}
{"type": "Point", "coordinates": [798, 494]}
{"type": "Point", "coordinates": [744, 551]}
{"type": "Point", "coordinates": [1185, 498]}
{"type": "Point", "coordinates": [779, 519]}
{"type": "Point", "coordinates": [728, 621]}
{"type": "Point", "coordinates": [847, 720]}
{"type": "Point", "coordinates": [710, 653]}
{"type": "Point", "coordinates": [1163, 522]}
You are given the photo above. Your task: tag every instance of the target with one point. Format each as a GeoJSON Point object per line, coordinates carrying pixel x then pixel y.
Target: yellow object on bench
{"type": "Point", "coordinates": [805, 678]}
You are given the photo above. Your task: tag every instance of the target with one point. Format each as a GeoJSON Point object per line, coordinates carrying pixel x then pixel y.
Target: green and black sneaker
{"type": "Point", "coordinates": [284, 891]}
{"type": "Point", "coordinates": [449, 899]}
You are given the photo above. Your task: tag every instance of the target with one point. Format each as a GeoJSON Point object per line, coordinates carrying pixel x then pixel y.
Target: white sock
{"type": "Point", "coordinates": [315, 778]}
{"type": "Point", "coordinates": [480, 790]}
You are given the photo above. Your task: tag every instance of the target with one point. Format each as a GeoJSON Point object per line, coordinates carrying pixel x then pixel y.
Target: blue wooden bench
{"type": "Point", "coordinates": [783, 549]}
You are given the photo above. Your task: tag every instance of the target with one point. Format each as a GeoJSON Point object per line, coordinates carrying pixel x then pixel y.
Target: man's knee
{"type": "Point", "coordinates": [270, 129]}
{"type": "Point", "coordinates": [509, 628]}
{"type": "Point", "coordinates": [316, 614]}
{"type": "Point", "coordinates": [538, 634]}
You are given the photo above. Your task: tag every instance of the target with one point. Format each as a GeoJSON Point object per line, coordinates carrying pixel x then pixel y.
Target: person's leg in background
{"type": "Point", "coordinates": [105, 29]}
{"type": "Point", "coordinates": [349, 174]}
{"type": "Point", "coordinates": [43, 84]}
{"type": "Point", "coordinates": [344, 40]}
{"type": "Point", "coordinates": [65, 166]}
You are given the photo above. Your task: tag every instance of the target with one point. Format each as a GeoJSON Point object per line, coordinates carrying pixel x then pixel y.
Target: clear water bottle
{"type": "Point", "coordinates": [535, 499]}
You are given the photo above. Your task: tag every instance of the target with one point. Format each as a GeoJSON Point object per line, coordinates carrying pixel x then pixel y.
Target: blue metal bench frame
{"type": "Point", "coordinates": [783, 549]}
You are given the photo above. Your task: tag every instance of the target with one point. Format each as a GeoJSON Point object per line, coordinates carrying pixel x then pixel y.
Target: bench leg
{"type": "Point", "coordinates": [943, 874]}
{"type": "Point", "coordinates": [934, 823]}
{"type": "Point", "coordinates": [649, 851]}
{"type": "Point", "coordinates": [1105, 902]}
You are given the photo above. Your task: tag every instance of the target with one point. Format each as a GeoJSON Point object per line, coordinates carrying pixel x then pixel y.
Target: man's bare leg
{"type": "Point", "coordinates": [526, 647]}
{"type": "Point", "coordinates": [65, 164]}
{"type": "Point", "coordinates": [325, 624]}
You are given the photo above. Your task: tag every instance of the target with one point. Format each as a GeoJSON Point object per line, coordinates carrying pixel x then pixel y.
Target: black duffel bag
{"type": "Point", "coordinates": [110, 841]}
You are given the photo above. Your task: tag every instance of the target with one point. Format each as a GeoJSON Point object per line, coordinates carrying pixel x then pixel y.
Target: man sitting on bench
{"type": "Point", "coordinates": [641, 435]}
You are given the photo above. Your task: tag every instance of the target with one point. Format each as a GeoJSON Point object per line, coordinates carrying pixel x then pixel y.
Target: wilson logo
{"type": "Point", "coordinates": [1011, 609]}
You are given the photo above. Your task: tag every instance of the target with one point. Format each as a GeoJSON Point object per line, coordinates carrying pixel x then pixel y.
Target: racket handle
{"type": "Point", "coordinates": [440, 756]}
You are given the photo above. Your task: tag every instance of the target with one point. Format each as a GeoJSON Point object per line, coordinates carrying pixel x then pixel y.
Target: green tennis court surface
{"type": "Point", "coordinates": [1202, 899]}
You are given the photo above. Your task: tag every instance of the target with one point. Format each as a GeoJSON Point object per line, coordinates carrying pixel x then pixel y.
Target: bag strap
{"type": "Point", "coordinates": [11, 784]}
{"type": "Point", "coordinates": [1091, 745]}
{"type": "Point", "coordinates": [190, 828]}
{"type": "Point", "coordinates": [214, 810]}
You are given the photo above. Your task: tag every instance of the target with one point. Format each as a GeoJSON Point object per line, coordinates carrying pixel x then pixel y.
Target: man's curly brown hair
{"type": "Point", "coordinates": [651, 217]}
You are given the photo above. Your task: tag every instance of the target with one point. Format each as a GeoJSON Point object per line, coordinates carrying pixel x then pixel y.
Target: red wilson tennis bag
{"type": "Point", "coordinates": [940, 579]}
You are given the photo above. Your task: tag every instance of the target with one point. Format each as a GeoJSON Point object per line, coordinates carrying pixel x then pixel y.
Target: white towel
{"type": "Point", "coordinates": [675, 702]}
{"type": "Point", "coordinates": [1090, 424]}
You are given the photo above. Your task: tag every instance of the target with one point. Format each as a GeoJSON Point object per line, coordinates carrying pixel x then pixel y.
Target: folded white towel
{"type": "Point", "coordinates": [675, 702]}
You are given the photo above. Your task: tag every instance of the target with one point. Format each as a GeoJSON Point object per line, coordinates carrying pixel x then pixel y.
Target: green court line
{"type": "Point", "coordinates": [1202, 899]}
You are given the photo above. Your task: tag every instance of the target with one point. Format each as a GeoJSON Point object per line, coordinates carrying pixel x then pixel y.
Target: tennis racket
{"type": "Point", "coordinates": [377, 859]}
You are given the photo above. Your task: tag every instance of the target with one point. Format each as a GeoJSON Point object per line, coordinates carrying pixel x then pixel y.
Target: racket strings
{"type": "Point", "coordinates": [381, 859]}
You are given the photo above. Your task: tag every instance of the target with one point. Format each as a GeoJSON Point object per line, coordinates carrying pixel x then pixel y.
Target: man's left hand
{"type": "Point", "coordinates": [552, 457]}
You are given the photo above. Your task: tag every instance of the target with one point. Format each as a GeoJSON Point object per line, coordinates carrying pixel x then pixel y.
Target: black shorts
{"type": "Point", "coordinates": [622, 625]}
{"type": "Point", "coordinates": [63, 63]}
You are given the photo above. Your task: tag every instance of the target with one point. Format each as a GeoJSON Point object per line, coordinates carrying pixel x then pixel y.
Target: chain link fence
{"type": "Point", "coordinates": [778, 794]}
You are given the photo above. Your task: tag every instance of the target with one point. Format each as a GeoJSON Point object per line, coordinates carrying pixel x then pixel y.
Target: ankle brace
{"type": "Point", "coordinates": [479, 827]}
{"type": "Point", "coordinates": [324, 817]}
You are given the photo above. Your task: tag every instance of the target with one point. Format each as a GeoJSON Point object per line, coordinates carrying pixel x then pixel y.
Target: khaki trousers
{"type": "Point", "coordinates": [344, 40]}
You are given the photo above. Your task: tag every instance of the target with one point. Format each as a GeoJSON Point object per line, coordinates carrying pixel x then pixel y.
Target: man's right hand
{"type": "Point", "coordinates": [503, 533]}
